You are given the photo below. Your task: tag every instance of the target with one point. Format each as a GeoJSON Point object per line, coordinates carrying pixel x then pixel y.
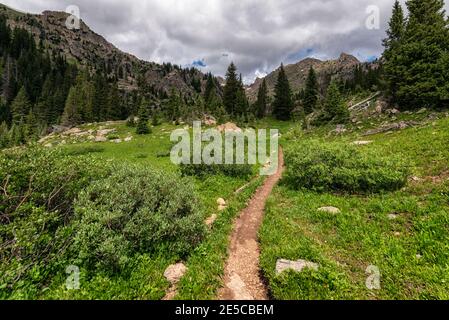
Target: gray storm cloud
{"type": "Point", "coordinates": [256, 35]}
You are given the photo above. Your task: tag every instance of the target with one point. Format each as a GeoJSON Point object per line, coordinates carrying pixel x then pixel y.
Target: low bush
{"type": "Point", "coordinates": [136, 210]}
{"type": "Point", "coordinates": [339, 167]}
{"type": "Point", "coordinates": [230, 170]}
{"type": "Point", "coordinates": [83, 150]}
{"type": "Point", "coordinates": [37, 190]}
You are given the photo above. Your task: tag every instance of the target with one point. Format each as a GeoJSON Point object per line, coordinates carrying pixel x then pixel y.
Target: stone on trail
{"type": "Point", "coordinates": [298, 266]}
{"type": "Point", "coordinates": [332, 210]}
{"type": "Point", "coordinates": [175, 272]}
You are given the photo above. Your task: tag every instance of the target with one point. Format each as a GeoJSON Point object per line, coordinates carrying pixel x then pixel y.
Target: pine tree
{"type": "Point", "coordinates": [231, 90]}
{"type": "Point", "coordinates": [422, 80]}
{"type": "Point", "coordinates": [20, 107]}
{"type": "Point", "coordinates": [4, 135]}
{"type": "Point", "coordinates": [72, 112]}
{"type": "Point", "coordinates": [261, 104]}
{"type": "Point", "coordinates": [142, 123]}
{"type": "Point", "coordinates": [392, 46]}
{"type": "Point", "coordinates": [174, 106]}
{"type": "Point", "coordinates": [241, 103]}
{"type": "Point", "coordinates": [311, 92]}
{"type": "Point", "coordinates": [283, 102]}
{"type": "Point", "coordinates": [334, 105]}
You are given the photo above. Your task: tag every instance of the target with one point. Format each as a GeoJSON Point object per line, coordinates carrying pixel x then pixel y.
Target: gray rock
{"type": "Point", "coordinates": [298, 266]}
{"type": "Point", "coordinates": [175, 272]}
{"type": "Point", "coordinates": [332, 210]}
{"type": "Point", "coordinates": [101, 139]}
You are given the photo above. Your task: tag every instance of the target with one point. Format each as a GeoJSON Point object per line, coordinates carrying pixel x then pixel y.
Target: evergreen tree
{"type": "Point", "coordinates": [311, 92]}
{"type": "Point", "coordinates": [20, 107]}
{"type": "Point", "coordinates": [241, 103]}
{"type": "Point", "coordinates": [174, 106]}
{"type": "Point", "coordinates": [4, 135]}
{"type": "Point", "coordinates": [421, 60]}
{"type": "Point", "coordinates": [334, 106]}
{"type": "Point", "coordinates": [261, 104]}
{"type": "Point", "coordinates": [392, 46]}
{"type": "Point", "coordinates": [283, 103]}
{"type": "Point", "coordinates": [231, 90]}
{"type": "Point", "coordinates": [72, 112]}
{"type": "Point", "coordinates": [142, 123]}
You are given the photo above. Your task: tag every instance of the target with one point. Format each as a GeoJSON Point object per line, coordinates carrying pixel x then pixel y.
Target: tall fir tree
{"type": "Point", "coordinates": [335, 108]}
{"type": "Point", "coordinates": [20, 107]}
{"type": "Point", "coordinates": [231, 90]}
{"type": "Point", "coordinates": [72, 112]}
{"type": "Point", "coordinates": [392, 46]}
{"type": "Point", "coordinates": [283, 101]}
{"type": "Point", "coordinates": [261, 104]}
{"type": "Point", "coordinates": [4, 135]}
{"type": "Point", "coordinates": [144, 116]}
{"type": "Point", "coordinates": [311, 92]}
{"type": "Point", "coordinates": [423, 76]}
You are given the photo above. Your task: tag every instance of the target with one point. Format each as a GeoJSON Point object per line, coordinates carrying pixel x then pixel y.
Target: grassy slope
{"type": "Point", "coordinates": [410, 251]}
{"type": "Point", "coordinates": [145, 279]}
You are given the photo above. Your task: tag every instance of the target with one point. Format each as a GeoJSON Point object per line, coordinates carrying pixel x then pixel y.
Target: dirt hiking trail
{"type": "Point", "coordinates": [242, 273]}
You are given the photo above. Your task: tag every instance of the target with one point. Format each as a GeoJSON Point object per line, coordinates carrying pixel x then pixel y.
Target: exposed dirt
{"type": "Point", "coordinates": [242, 275]}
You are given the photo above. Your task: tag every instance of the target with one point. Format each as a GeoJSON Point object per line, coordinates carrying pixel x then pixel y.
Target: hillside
{"type": "Point", "coordinates": [85, 47]}
{"type": "Point", "coordinates": [342, 68]}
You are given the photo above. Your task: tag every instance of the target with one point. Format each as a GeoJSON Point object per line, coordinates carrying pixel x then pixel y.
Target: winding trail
{"type": "Point", "coordinates": [243, 280]}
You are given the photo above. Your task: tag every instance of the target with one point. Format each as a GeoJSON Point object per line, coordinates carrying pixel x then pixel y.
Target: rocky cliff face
{"type": "Point", "coordinates": [342, 68]}
{"type": "Point", "coordinates": [84, 47]}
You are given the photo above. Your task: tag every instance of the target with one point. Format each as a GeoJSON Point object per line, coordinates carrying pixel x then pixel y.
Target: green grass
{"type": "Point", "coordinates": [144, 278]}
{"type": "Point", "coordinates": [411, 251]}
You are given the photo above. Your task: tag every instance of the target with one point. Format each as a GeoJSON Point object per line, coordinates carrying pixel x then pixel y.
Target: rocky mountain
{"type": "Point", "coordinates": [84, 47]}
{"type": "Point", "coordinates": [342, 68]}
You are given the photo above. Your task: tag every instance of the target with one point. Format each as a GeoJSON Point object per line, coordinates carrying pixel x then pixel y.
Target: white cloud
{"type": "Point", "coordinates": [256, 35]}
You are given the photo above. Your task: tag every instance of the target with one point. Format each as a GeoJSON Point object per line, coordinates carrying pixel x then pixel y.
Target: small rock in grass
{"type": "Point", "coordinates": [48, 145]}
{"type": "Point", "coordinates": [101, 139]}
{"type": "Point", "coordinates": [423, 110]}
{"type": "Point", "coordinates": [175, 272]}
{"type": "Point", "coordinates": [117, 141]}
{"type": "Point", "coordinates": [128, 139]}
{"type": "Point", "coordinates": [221, 204]}
{"type": "Point", "coordinates": [397, 234]}
{"type": "Point", "coordinates": [361, 143]}
{"type": "Point", "coordinates": [211, 220]}
{"type": "Point", "coordinates": [392, 216]}
{"type": "Point", "coordinates": [332, 210]}
{"type": "Point", "coordinates": [298, 266]}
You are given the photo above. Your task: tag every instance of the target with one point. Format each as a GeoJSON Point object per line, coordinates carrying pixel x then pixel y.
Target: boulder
{"type": "Point", "coordinates": [175, 272]}
{"type": "Point", "coordinates": [297, 266]}
{"type": "Point", "coordinates": [104, 132]}
{"type": "Point", "coordinates": [209, 121]}
{"type": "Point", "coordinates": [100, 139]}
{"type": "Point", "coordinates": [332, 210]}
{"type": "Point", "coordinates": [229, 127]}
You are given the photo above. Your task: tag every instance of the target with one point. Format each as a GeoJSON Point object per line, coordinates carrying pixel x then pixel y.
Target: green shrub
{"type": "Point", "coordinates": [230, 170]}
{"type": "Point", "coordinates": [38, 187]}
{"type": "Point", "coordinates": [339, 167]}
{"type": "Point", "coordinates": [84, 150]}
{"type": "Point", "coordinates": [136, 210]}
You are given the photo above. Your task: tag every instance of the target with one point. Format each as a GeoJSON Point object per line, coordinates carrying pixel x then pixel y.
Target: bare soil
{"type": "Point", "coordinates": [243, 280]}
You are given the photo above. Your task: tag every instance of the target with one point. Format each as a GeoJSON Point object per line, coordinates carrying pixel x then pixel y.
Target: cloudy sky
{"type": "Point", "coordinates": [256, 34]}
